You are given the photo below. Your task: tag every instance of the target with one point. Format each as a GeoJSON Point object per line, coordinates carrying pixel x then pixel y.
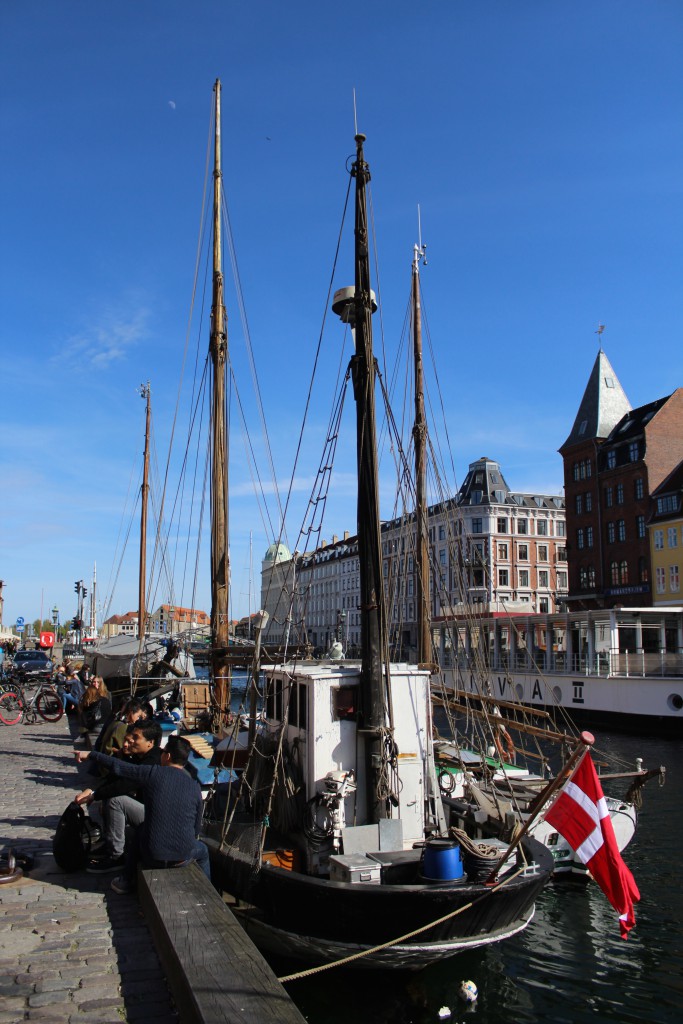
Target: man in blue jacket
{"type": "Point", "coordinates": [173, 813]}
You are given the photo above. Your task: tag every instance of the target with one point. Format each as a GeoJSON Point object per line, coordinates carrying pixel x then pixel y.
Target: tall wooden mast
{"type": "Point", "coordinates": [357, 306]}
{"type": "Point", "coordinates": [424, 634]}
{"type": "Point", "coordinates": [145, 392]}
{"type": "Point", "coordinates": [220, 557]}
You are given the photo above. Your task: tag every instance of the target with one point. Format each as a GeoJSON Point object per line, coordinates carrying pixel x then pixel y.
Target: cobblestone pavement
{"type": "Point", "coordinates": [71, 950]}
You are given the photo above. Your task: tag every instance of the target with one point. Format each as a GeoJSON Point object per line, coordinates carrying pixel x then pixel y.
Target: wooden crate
{"type": "Point", "coordinates": [195, 699]}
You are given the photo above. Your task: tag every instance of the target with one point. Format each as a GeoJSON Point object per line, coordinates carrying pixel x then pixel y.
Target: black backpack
{"type": "Point", "coordinates": [75, 839]}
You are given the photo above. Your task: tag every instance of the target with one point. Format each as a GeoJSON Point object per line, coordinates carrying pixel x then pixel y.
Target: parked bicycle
{"type": "Point", "coordinates": [16, 704]}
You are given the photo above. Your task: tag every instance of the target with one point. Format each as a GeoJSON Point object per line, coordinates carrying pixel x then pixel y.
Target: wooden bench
{"type": "Point", "coordinates": [215, 972]}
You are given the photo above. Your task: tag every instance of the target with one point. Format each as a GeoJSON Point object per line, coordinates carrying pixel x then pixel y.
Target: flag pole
{"type": "Point", "coordinates": [583, 744]}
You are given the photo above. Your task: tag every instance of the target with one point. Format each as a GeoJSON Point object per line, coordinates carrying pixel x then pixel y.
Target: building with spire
{"type": "Point", "coordinates": [614, 458]}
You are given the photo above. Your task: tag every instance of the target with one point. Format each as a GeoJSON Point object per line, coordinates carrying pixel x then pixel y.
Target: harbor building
{"type": "Point", "coordinates": [490, 547]}
{"type": "Point", "coordinates": [615, 457]}
{"type": "Point", "coordinates": [666, 539]}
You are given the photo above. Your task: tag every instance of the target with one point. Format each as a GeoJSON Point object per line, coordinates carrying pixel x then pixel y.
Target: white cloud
{"type": "Point", "coordinates": [108, 341]}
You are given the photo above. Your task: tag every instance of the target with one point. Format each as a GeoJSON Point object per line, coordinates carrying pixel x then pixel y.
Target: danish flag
{"type": "Point", "coordinates": [580, 814]}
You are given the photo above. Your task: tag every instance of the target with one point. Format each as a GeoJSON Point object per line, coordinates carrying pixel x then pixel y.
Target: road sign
{"type": "Point", "coordinates": [20, 620]}
{"type": "Point", "coordinates": [47, 639]}
{"type": "Point", "coordinates": [19, 629]}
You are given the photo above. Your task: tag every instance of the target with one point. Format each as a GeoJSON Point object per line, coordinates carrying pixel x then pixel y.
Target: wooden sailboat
{"type": "Point", "coordinates": [335, 837]}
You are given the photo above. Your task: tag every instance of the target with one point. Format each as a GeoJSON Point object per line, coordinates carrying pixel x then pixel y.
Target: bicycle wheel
{"type": "Point", "coordinates": [49, 705]}
{"type": "Point", "coordinates": [11, 708]}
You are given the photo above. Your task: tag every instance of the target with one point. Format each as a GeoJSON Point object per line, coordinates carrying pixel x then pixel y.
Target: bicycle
{"type": "Point", "coordinates": [15, 704]}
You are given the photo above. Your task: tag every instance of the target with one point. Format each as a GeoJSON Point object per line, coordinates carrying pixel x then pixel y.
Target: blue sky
{"type": "Point", "coordinates": [541, 139]}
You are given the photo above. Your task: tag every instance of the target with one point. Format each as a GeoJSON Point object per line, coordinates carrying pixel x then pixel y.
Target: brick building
{"type": "Point", "coordinates": [614, 458]}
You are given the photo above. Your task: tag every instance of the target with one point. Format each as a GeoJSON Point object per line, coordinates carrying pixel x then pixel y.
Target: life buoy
{"type": "Point", "coordinates": [504, 744]}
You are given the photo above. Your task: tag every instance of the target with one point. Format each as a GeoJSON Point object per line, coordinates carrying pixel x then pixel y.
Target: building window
{"type": "Point", "coordinates": [543, 606]}
{"type": "Point", "coordinates": [672, 536]}
{"type": "Point", "coordinates": [633, 451]}
{"type": "Point", "coordinates": [543, 552]}
{"type": "Point", "coordinates": [523, 552]}
{"type": "Point", "coordinates": [589, 501]}
{"type": "Point", "coordinates": [640, 526]}
{"type": "Point", "coordinates": [583, 578]}
{"type": "Point", "coordinates": [614, 573]}
{"type": "Point", "coordinates": [442, 557]}
{"type": "Point", "coordinates": [638, 488]}
{"type": "Point", "coordinates": [643, 575]}
{"type": "Point", "coordinates": [442, 533]}
{"type": "Point", "coordinates": [609, 497]}
{"type": "Point", "coordinates": [522, 526]}
{"type": "Point", "coordinates": [576, 471]}
{"type": "Point", "coordinates": [611, 533]}
{"type": "Point", "coordinates": [674, 579]}
{"type": "Point", "coordinates": [561, 581]}
{"type": "Point", "coordinates": [611, 458]}
{"type": "Point", "coordinates": [659, 540]}
{"type": "Point", "coordinates": [589, 536]}
{"type": "Point", "coordinates": [580, 538]}
{"type": "Point", "coordinates": [560, 528]}
{"type": "Point", "coordinates": [503, 552]}
{"type": "Point", "coordinates": [620, 494]}
{"type": "Point", "coordinates": [542, 527]}
{"type": "Point", "coordinates": [667, 504]}
{"type": "Point", "coordinates": [543, 578]}
{"type": "Point", "coordinates": [621, 529]}
{"type": "Point", "coordinates": [524, 577]}
{"type": "Point", "coordinates": [503, 578]}
{"type": "Point", "coordinates": [502, 525]}
{"type": "Point", "coordinates": [477, 526]}
{"type": "Point", "coordinates": [661, 579]}
{"type": "Point", "coordinates": [578, 501]}
{"type": "Point", "coordinates": [591, 577]}
{"type": "Point", "coordinates": [561, 555]}
{"type": "Point", "coordinates": [623, 572]}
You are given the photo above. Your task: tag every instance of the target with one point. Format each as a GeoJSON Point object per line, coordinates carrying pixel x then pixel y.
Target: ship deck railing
{"type": "Point", "coordinates": [605, 664]}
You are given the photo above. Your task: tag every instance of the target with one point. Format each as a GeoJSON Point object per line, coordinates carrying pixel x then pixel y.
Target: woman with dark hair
{"type": "Point", "coordinates": [94, 710]}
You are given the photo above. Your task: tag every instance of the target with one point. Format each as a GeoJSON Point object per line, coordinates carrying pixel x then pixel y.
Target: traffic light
{"type": "Point", "coordinates": [77, 585]}
{"type": "Point", "coordinates": [84, 593]}
{"type": "Point", "coordinates": [74, 623]}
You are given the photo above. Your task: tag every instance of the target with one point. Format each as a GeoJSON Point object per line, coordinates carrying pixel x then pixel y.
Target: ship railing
{"type": "Point", "coordinates": [639, 664]}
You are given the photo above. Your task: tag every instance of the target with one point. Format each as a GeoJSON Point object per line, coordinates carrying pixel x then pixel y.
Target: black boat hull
{"type": "Point", "coordinates": [367, 915]}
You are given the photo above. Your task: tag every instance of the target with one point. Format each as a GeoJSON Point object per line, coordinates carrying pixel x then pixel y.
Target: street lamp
{"type": "Point", "coordinates": [55, 619]}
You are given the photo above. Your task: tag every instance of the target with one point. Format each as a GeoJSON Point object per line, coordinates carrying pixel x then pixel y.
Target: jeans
{"type": "Point", "coordinates": [118, 812]}
{"type": "Point", "coordinates": [67, 698]}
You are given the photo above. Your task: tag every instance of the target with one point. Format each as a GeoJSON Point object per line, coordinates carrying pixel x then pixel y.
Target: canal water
{"type": "Point", "coordinates": [570, 965]}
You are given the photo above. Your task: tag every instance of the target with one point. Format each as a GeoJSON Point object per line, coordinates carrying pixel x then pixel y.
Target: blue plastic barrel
{"type": "Point", "coordinates": [442, 861]}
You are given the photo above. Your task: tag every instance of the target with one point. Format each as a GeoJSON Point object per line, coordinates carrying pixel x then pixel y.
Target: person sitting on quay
{"type": "Point", "coordinates": [94, 710]}
{"type": "Point", "coordinates": [168, 834]}
{"type": "Point", "coordinates": [72, 690]}
{"type": "Point", "coordinates": [112, 735]}
{"type": "Point", "coordinates": [121, 803]}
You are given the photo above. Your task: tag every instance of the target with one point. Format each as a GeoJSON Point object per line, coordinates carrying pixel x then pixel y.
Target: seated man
{"type": "Point", "coordinates": [121, 803]}
{"type": "Point", "coordinates": [173, 813]}
{"type": "Point", "coordinates": [110, 740]}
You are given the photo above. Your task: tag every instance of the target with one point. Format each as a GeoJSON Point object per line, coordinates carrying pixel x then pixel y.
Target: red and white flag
{"type": "Point", "coordinates": [580, 814]}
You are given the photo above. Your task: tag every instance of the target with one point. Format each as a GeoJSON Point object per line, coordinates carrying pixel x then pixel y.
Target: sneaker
{"type": "Point", "coordinates": [122, 885]}
{"type": "Point", "coordinates": [104, 865]}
